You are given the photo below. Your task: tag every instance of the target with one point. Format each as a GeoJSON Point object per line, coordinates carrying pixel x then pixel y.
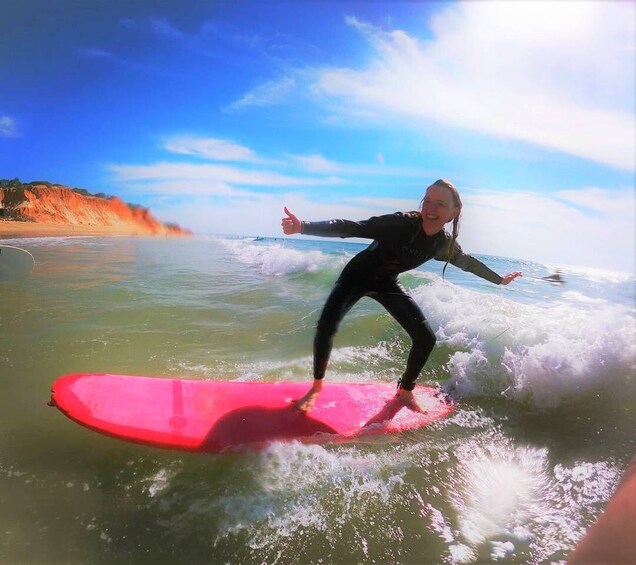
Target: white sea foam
{"type": "Point", "coordinates": [597, 275]}
{"type": "Point", "coordinates": [160, 481]}
{"type": "Point", "coordinates": [297, 490]}
{"type": "Point", "coordinates": [511, 498]}
{"type": "Point", "coordinates": [344, 366]}
{"type": "Point", "coordinates": [543, 354]}
{"type": "Point", "coordinates": [275, 259]}
{"type": "Point", "coordinates": [499, 489]}
{"type": "Point", "coordinates": [576, 296]}
{"type": "Point", "coordinates": [553, 346]}
{"type": "Point", "coordinates": [501, 549]}
{"type": "Point", "coordinates": [500, 497]}
{"type": "Point", "coordinates": [50, 241]}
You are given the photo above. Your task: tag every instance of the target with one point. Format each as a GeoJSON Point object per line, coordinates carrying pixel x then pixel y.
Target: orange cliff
{"type": "Point", "coordinates": [64, 209]}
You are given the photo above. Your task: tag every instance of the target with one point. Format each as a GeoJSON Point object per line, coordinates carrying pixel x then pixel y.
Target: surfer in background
{"type": "Point", "coordinates": [402, 241]}
{"type": "Point", "coordinates": [555, 277]}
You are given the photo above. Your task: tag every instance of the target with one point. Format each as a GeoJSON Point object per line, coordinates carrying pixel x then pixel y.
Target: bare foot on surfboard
{"type": "Point", "coordinates": [407, 398]}
{"type": "Point", "coordinates": [402, 399]}
{"type": "Point", "coordinates": [306, 403]}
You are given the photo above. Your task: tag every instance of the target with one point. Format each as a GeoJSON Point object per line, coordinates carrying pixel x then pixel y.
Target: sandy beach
{"type": "Point", "coordinates": [9, 228]}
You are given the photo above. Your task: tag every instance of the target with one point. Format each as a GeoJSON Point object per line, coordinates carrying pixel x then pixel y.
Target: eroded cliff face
{"type": "Point", "coordinates": [61, 205]}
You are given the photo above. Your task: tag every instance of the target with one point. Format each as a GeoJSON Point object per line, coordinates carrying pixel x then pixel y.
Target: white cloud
{"type": "Point", "coordinates": [93, 53]}
{"type": "Point", "coordinates": [589, 227]}
{"type": "Point", "coordinates": [188, 188]}
{"type": "Point", "coordinates": [601, 203]}
{"type": "Point", "coordinates": [317, 163]}
{"type": "Point", "coordinates": [216, 175]}
{"type": "Point", "coordinates": [267, 94]}
{"type": "Point", "coordinates": [163, 28]}
{"type": "Point", "coordinates": [248, 168]}
{"type": "Point", "coordinates": [107, 57]}
{"type": "Point", "coordinates": [8, 127]}
{"type": "Point", "coordinates": [553, 228]}
{"type": "Point", "coordinates": [128, 23]}
{"type": "Point", "coordinates": [256, 214]}
{"type": "Point", "coordinates": [528, 226]}
{"type": "Point", "coordinates": [210, 148]}
{"type": "Point", "coordinates": [556, 74]}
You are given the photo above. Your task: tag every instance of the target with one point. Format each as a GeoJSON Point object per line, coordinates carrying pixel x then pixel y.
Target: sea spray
{"type": "Point", "coordinates": [529, 341]}
{"type": "Point", "coordinates": [537, 352]}
{"type": "Point", "coordinates": [276, 259]}
{"type": "Point", "coordinates": [511, 499]}
{"type": "Point", "coordinates": [194, 309]}
{"type": "Point", "coordinates": [293, 495]}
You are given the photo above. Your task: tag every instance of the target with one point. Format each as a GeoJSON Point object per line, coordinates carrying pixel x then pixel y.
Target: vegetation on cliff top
{"type": "Point", "coordinates": [17, 183]}
{"type": "Point", "coordinates": [80, 213]}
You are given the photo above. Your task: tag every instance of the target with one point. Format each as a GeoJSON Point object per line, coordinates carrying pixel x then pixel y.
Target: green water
{"type": "Point", "coordinates": [507, 479]}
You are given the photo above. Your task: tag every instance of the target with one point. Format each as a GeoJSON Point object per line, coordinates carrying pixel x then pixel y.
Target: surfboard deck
{"type": "Point", "coordinates": [221, 416]}
{"type": "Point", "coordinates": [15, 263]}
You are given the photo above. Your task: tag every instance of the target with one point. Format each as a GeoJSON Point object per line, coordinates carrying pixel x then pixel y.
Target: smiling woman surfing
{"type": "Point", "coordinates": [402, 241]}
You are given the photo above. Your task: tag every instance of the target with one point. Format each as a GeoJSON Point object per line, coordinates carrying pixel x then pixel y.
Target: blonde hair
{"type": "Point", "coordinates": [457, 203]}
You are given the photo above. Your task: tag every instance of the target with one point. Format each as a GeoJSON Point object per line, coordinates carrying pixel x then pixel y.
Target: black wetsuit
{"type": "Point", "coordinates": [399, 245]}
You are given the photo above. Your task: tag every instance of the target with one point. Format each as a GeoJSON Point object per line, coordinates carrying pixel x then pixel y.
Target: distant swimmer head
{"type": "Point", "coordinates": [555, 277]}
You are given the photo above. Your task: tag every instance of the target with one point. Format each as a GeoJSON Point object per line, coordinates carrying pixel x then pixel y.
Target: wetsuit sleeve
{"type": "Point", "coordinates": [387, 227]}
{"type": "Point", "coordinates": [469, 264]}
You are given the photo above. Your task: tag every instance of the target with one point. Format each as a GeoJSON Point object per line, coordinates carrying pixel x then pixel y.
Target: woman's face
{"type": "Point", "coordinates": [437, 209]}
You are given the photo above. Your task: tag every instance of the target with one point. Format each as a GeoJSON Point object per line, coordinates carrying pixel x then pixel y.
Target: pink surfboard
{"type": "Point", "coordinates": [219, 416]}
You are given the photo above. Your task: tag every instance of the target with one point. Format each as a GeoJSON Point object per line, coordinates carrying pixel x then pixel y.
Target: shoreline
{"type": "Point", "coordinates": [9, 229]}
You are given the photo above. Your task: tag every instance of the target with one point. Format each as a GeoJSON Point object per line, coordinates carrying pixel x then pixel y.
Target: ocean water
{"type": "Point", "coordinates": [543, 374]}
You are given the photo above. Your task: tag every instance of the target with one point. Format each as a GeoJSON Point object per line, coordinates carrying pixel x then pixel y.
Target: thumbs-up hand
{"type": "Point", "coordinates": [291, 224]}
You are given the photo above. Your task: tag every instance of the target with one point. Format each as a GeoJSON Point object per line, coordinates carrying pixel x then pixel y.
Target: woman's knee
{"type": "Point", "coordinates": [423, 336]}
{"type": "Point", "coordinates": [326, 328]}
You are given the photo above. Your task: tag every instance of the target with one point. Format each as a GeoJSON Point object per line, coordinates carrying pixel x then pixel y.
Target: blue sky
{"type": "Point", "coordinates": [216, 114]}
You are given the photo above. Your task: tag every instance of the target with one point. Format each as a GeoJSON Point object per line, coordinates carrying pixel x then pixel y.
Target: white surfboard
{"type": "Point", "coordinates": [15, 263]}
